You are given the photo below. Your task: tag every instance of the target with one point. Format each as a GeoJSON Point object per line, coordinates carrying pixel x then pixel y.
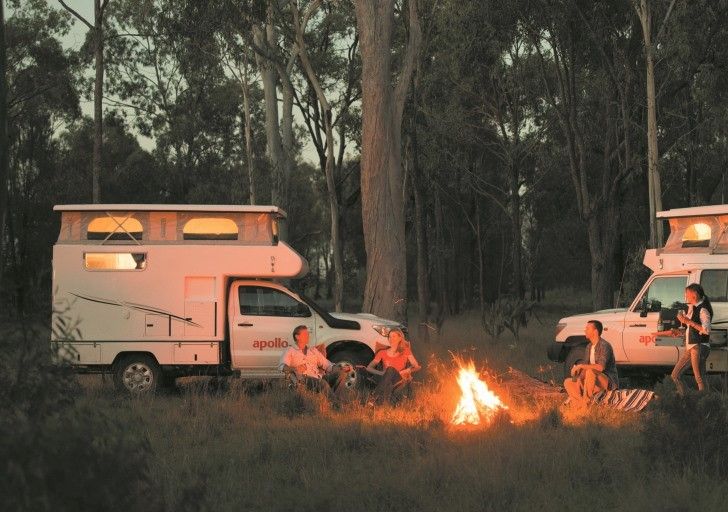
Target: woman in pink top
{"type": "Point", "coordinates": [398, 365]}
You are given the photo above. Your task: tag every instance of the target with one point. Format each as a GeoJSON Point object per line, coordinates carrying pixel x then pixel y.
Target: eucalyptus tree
{"type": "Point", "coordinates": [384, 91]}
{"type": "Point", "coordinates": [169, 77]}
{"type": "Point", "coordinates": [96, 29]}
{"type": "Point", "coordinates": [582, 47]}
{"type": "Point", "coordinates": [41, 98]}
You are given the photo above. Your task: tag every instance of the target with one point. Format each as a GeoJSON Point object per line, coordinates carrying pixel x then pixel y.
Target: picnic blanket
{"type": "Point", "coordinates": [625, 399]}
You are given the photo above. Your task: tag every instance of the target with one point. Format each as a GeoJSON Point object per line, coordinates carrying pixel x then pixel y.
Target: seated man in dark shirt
{"type": "Point", "coordinates": [599, 373]}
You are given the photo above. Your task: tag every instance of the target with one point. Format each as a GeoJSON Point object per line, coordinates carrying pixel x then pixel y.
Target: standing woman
{"type": "Point", "coordinates": [697, 336]}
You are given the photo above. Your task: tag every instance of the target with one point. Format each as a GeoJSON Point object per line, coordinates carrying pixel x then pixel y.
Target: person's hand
{"type": "Point", "coordinates": [575, 370]}
{"type": "Point", "coordinates": [406, 374]}
{"type": "Point", "coordinates": [682, 318]}
{"type": "Point", "coordinates": [345, 367]}
{"type": "Point", "coordinates": [301, 368]}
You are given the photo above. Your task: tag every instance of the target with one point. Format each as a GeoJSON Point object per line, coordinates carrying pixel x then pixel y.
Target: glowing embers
{"type": "Point", "coordinates": [477, 402]}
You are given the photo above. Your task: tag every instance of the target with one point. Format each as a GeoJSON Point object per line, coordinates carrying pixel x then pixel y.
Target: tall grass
{"type": "Point", "coordinates": [241, 445]}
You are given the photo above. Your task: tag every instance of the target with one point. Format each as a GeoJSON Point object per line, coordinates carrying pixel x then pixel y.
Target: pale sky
{"type": "Point", "coordinates": [75, 38]}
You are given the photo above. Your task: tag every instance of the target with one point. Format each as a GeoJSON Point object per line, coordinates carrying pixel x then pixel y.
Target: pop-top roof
{"type": "Point", "coordinates": [169, 208]}
{"type": "Point", "coordinates": [695, 211]}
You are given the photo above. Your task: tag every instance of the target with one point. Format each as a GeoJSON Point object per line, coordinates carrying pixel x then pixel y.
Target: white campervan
{"type": "Point", "coordinates": [163, 291]}
{"type": "Point", "coordinates": [695, 252]}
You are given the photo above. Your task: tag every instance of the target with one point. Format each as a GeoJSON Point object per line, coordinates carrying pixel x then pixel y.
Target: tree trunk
{"type": "Point", "coordinates": [247, 120]}
{"type": "Point", "coordinates": [98, 96]}
{"type": "Point", "coordinates": [516, 242]}
{"type": "Point", "coordinates": [381, 170]}
{"type": "Point", "coordinates": [423, 279]}
{"type": "Point", "coordinates": [4, 142]}
{"type": "Point", "coordinates": [330, 160]}
{"type": "Point", "coordinates": [601, 231]}
{"type": "Point", "coordinates": [288, 140]}
{"type": "Point", "coordinates": [653, 172]}
{"type": "Point", "coordinates": [265, 38]}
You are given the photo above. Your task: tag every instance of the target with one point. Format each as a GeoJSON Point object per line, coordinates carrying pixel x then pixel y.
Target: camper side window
{"type": "Point", "coordinates": [697, 235]}
{"type": "Point", "coordinates": [715, 284]}
{"type": "Point", "coordinates": [114, 228]}
{"type": "Point", "coordinates": [210, 228]}
{"type": "Point", "coordinates": [261, 301]}
{"type": "Point", "coordinates": [115, 260]}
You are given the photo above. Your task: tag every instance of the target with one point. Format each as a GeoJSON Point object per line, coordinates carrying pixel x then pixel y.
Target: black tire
{"type": "Point", "coordinates": [137, 374]}
{"type": "Point", "coordinates": [575, 356]}
{"type": "Point", "coordinates": [354, 358]}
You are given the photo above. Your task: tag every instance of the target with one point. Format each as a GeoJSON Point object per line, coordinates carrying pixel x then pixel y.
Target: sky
{"type": "Point", "coordinates": [75, 39]}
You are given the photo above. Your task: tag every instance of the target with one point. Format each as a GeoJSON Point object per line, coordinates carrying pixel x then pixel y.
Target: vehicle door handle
{"type": "Point", "coordinates": [245, 325]}
{"type": "Point", "coordinates": [638, 325]}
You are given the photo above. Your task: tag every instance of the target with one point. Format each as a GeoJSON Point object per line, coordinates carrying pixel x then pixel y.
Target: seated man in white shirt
{"type": "Point", "coordinates": [306, 365]}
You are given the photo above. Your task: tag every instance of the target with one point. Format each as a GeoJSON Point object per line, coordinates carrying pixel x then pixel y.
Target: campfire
{"type": "Point", "coordinates": [477, 402]}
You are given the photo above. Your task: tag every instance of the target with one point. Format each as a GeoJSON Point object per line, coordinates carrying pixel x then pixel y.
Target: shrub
{"type": "Point", "coordinates": [506, 313]}
{"type": "Point", "coordinates": [688, 432]}
{"type": "Point", "coordinates": [55, 454]}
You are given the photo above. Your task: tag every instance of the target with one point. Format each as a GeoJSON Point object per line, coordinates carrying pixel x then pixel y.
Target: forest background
{"type": "Point", "coordinates": [450, 161]}
{"type": "Point", "coordinates": [513, 156]}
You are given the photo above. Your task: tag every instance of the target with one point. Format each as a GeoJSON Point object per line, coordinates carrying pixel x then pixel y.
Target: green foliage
{"type": "Point", "coordinates": [78, 459]}
{"type": "Point", "coordinates": [688, 433]}
{"type": "Point", "coordinates": [54, 453]}
{"type": "Point", "coordinates": [507, 313]}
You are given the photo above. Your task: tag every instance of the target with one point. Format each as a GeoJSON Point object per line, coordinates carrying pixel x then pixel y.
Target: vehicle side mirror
{"type": "Point", "coordinates": [644, 307]}
{"type": "Point", "coordinates": [302, 310]}
{"type": "Point", "coordinates": [650, 306]}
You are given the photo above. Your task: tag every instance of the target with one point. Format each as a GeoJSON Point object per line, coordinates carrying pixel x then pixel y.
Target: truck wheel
{"type": "Point", "coordinates": [137, 374]}
{"type": "Point", "coordinates": [575, 356]}
{"type": "Point", "coordinates": [354, 358]}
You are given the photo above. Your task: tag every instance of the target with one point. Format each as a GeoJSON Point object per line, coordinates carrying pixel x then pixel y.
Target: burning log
{"type": "Point", "coordinates": [519, 384]}
{"type": "Point", "coordinates": [477, 400]}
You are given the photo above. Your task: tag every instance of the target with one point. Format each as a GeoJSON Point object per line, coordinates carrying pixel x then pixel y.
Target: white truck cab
{"type": "Point", "coordinates": [164, 291]}
{"type": "Point", "coordinates": [695, 252]}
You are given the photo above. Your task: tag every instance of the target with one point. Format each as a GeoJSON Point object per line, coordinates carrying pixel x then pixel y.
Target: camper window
{"type": "Point", "coordinates": [210, 228]}
{"type": "Point", "coordinates": [260, 301]}
{"type": "Point", "coordinates": [114, 228]}
{"type": "Point", "coordinates": [115, 260]}
{"type": "Point", "coordinates": [696, 235]}
{"type": "Point", "coordinates": [715, 284]}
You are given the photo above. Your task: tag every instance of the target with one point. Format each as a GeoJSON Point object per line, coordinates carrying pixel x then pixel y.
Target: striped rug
{"type": "Point", "coordinates": [625, 399]}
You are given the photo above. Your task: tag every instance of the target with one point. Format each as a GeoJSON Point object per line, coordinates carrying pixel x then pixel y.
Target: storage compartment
{"type": "Point", "coordinates": [80, 353]}
{"type": "Point", "coordinates": [196, 353]}
{"type": "Point", "coordinates": [157, 325]}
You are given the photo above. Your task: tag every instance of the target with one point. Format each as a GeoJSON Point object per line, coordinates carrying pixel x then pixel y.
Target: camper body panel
{"type": "Point", "coordinates": [695, 252]}
{"type": "Point", "coordinates": [178, 295]}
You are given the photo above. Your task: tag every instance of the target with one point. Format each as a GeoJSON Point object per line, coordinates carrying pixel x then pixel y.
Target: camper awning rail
{"type": "Point", "coordinates": [169, 208]}
{"type": "Point", "coordinates": [696, 211]}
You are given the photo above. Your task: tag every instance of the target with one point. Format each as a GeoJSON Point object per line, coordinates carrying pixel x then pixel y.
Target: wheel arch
{"type": "Point", "coordinates": [126, 353]}
{"type": "Point", "coordinates": [349, 345]}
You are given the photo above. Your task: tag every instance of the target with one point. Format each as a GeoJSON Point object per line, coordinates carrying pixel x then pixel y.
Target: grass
{"type": "Point", "coordinates": [258, 446]}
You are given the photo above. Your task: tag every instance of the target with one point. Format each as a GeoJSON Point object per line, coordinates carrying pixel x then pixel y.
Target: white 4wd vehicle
{"type": "Point", "coordinates": [695, 252]}
{"type": "Point", "coordinates": [164, 291]}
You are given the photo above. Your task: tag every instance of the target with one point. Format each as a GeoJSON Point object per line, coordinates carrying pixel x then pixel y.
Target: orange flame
{"type": "Point", "coordinates": [476, 400]}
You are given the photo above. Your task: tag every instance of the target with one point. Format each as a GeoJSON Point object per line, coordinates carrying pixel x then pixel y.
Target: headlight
{"type": "Point", "coordinates": [383, 330]}
{"type": "Point", "coordinates": [559, 328]}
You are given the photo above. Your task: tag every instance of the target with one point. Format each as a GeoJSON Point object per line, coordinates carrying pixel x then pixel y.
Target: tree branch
{"type": "Point", "coordinates": [76, 14]}
{"type": "Point", "coordinates": [410, 59]}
